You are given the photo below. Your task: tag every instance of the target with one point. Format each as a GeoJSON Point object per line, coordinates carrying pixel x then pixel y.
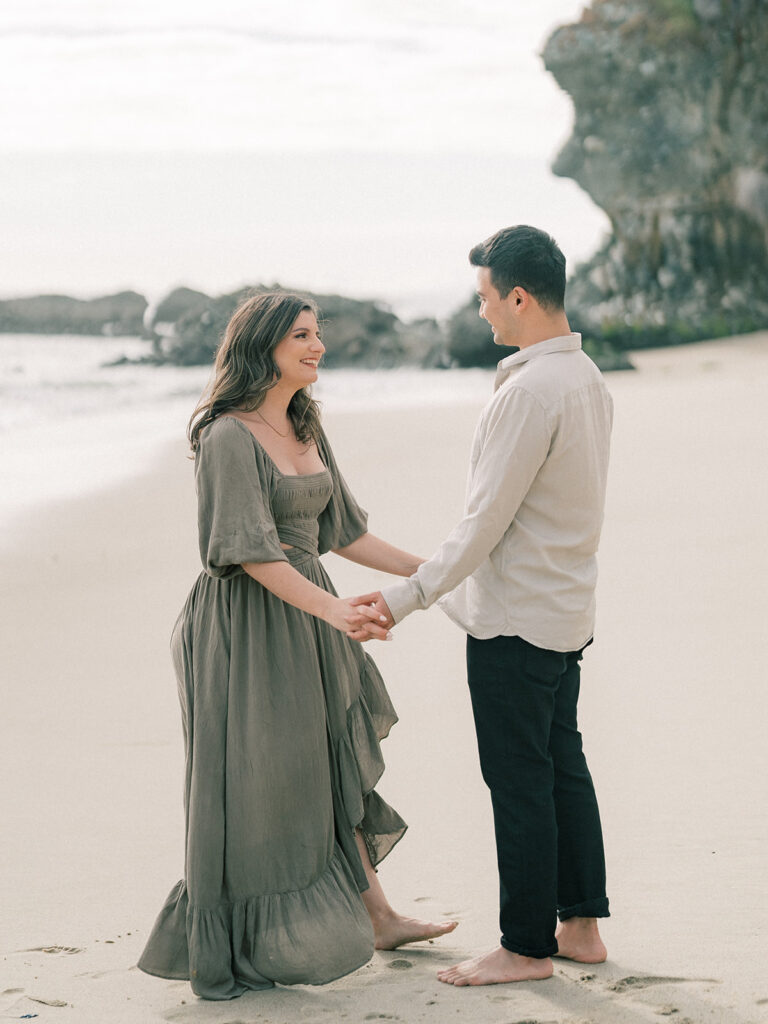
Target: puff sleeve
{"type": "Point", "coordinates": [234, 518]}
{"type": "Point", "coordinates": [342, 520]}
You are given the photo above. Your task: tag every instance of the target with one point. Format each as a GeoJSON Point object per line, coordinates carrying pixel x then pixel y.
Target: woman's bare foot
{"type": "Point", "coordinates": [393, 930]}
{"type": "Point", "coordinates": [496, 968]}
{"type": "Point", "coordinates": [578, 939]}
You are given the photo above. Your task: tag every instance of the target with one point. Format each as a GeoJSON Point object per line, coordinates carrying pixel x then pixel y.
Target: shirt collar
{"type": "Point", "coordinates": [564, 343]}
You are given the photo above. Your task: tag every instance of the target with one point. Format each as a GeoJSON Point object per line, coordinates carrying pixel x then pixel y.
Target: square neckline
{"type": "Point", "coordinates": [286, 476]}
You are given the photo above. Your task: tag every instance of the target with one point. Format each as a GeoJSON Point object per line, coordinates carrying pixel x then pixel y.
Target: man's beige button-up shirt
{"type": "Point", "coordinates": [522, 560]}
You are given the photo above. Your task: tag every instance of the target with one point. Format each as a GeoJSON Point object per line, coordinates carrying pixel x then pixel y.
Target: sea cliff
{"type": "Point", "coordinates": [670, 138]}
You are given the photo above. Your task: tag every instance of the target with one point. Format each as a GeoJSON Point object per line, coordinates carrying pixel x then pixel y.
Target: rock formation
{"type": "Point", "coordinates": [671, 140]}
{"type": "Point", "coordinates": [185, 327]}
{"type": "Point", "coordinates": [177, 304]}
{"type": "Point", "coordinates": [112, 315]}
{"type": "Point", "coordinates": [356, 332]}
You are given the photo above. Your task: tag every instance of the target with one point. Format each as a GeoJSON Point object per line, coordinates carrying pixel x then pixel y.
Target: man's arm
{"type": "Point", "coordinates": [515, 445]}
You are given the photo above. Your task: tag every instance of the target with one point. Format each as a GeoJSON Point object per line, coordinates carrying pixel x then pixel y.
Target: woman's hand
{"type": "Point", "coordinates": [290, 586]}
{"type": "Point", "coordinates": [361, 622]}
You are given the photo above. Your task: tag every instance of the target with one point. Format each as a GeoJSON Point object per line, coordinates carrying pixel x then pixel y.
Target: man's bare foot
{"type": "Point", "coordinates": [393, 930]}
{"type": "Point", "coordinates": [578, 939]}
{"type": "Point", "coordinates": [496, 968]}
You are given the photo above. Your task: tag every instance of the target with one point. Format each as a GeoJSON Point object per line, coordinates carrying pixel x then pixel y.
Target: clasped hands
{"type": "Point", "coordinates": [374, 620]}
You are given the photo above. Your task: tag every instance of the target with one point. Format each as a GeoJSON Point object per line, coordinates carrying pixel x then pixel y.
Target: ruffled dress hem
{"type": "Point", "coordinates": [258, 941]}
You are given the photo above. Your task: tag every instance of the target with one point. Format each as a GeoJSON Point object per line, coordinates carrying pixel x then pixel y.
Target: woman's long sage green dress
{"type": "Point", "coordinates": [282, 719]}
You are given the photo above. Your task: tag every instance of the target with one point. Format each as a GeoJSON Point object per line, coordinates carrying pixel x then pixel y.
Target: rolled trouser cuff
{"type": "Point", "coordinates": [535, 954]}
{"type": "Point", "coordinates": [597, 907]}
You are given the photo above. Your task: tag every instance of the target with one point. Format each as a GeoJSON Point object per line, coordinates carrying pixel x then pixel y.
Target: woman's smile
{"type": "Point", "coordinates": [302, 346]}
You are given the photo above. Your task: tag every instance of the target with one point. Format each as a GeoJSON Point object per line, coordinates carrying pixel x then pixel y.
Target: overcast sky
{"type": "Point", "coordinates": [397, 80]}
{"type": "Point", "coordinates": [305, 74]}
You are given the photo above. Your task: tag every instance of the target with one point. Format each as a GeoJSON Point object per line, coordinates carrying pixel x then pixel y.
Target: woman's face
{"type": "Point", "coordinates": [298, 353]}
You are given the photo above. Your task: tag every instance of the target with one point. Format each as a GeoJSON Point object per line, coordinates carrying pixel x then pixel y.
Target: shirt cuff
{"type": "Point", "coordinates": [403, 598]}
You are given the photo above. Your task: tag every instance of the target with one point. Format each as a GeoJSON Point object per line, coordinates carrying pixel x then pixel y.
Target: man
{"type": "Point", "coordinates": [519, 571]}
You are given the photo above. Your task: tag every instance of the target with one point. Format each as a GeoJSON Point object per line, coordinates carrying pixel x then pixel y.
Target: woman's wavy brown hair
{"type": "Point", "coordinates": [245, 369]}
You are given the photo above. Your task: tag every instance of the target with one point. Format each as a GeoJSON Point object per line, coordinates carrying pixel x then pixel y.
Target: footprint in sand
{"type": "Point", "coordinates": [400, 965]}
{"type": "Point", "coordinates": [530, 1020]}
{"type": "Point", "coordinates": [646, 981]}
{"type": "Point", "coordinates": [68, 950]}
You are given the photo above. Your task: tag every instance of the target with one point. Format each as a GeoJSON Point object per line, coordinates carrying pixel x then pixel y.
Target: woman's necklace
{"type": "Point", "coordinates": [279, 434]}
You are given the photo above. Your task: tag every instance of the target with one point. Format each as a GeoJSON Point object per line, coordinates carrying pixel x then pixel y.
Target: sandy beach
{"type": "Point", "coordinates": [673, 710]}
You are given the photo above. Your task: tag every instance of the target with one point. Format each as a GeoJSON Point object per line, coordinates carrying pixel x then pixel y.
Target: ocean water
{"type": "Point", "coordinates": [70, 424]}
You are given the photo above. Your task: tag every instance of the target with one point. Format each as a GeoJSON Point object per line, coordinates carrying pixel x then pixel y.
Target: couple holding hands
{"type": "Point", "coordinates": [282, 708]}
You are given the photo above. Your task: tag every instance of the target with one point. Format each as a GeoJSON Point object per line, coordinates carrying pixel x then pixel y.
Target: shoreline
{"type": "Point", "coordinates": [104, 425]}
{"type": "Point", "coordinates": [672, 706]}
{"type": "Point", "coordinates": [96, 450]}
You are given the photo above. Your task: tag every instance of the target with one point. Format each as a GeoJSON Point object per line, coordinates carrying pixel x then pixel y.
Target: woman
{"type": "Point", "coordinates": [282, 711]}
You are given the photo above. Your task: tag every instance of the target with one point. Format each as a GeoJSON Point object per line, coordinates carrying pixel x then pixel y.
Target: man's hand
{"type": "Point", "coordinates": [377, 603]}
{"type": "Point", "coordinates": [357, 621]}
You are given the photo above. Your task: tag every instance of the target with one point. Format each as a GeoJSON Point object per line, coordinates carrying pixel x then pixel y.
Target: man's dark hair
{"type": "Point", "coordinates": [524, 257]}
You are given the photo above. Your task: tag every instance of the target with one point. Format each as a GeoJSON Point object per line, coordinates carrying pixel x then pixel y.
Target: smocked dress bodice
{"type": "Point", "coordinates": [296, 506]}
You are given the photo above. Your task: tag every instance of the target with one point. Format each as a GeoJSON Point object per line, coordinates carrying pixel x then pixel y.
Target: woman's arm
{"type": "Point", "coordinates": [375, 553]}
{"type": "Point", "coordinates": [293, 588]}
